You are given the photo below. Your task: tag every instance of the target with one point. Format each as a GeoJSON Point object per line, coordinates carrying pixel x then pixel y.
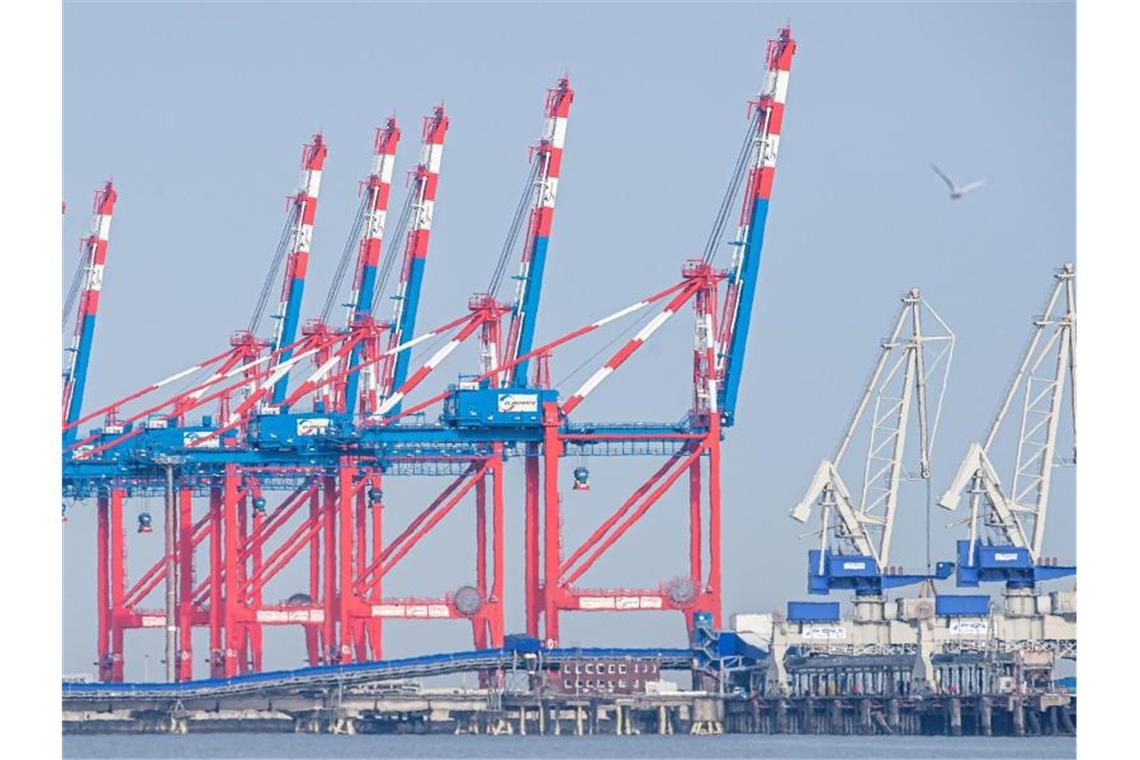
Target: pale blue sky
{"type": "Point", "coordinates": [199, 112]}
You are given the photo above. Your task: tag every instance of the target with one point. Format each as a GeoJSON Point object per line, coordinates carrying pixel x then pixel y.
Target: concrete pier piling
{"type": "Point", "coordinates": [954, 714]}
{"type": "Point", "coordinates": [1018, 712]}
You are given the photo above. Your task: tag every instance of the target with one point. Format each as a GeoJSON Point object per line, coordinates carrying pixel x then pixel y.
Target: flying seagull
{"type": "Point", "coordinates": [955, 191]}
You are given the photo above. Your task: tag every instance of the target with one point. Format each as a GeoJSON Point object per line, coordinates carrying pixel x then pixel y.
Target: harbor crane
{"type": "Point", "coordinates": [79, 355]}
{"type": "Point", "coordinates": [254, 481]}
{"type": "Point", "coordinates": [1007, 526]}
{"type": "Point", "coordinates": [855, 537]}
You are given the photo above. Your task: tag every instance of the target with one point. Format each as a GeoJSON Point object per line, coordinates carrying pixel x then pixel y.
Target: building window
{"type": "Point", "coordinates": [589, 668]}
{"type": "Point", "coordinates": [566, 683]}
{"type": "Point", "coordinates": [621, 683]}
{"type": "Point", "coordinates": [621, 669]}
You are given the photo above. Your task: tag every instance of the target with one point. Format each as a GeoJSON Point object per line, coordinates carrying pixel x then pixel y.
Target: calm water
{"type": "Point", "coordinates": [737, 745]}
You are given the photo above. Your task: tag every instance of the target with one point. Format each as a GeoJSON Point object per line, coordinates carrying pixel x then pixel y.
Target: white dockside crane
{"type": "Point", "coordinates": [1013, 519]}
{"type": "Point", "coordinates": [912, 370]}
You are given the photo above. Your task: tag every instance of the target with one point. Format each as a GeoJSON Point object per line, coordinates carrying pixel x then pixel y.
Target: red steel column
{"type": "Point", "coordinates": [344, 597]}
{"type": "Point", "coordinates": [359, 639]}
{"type": "Point", "coordinates": [481, 535]}
{"type": "Point", "coordinates": [329, 649]}
{"type": "Point", "coordinates": [103, 586]}
{"type": "Point", "coordinates": [118, 581]}
{"type": "Point", "coordinates": [375, 629]}
{"type": "Point", "coordinates": [533, 602]}
{"type": "Point", "coordinates": [230, 603]}
{"type": "Point", "coordinates": [185, 584]}
{"type": "Point", "coordinates": [714, 517]}
{"type": "Point", "coordinates": [255, 630]}
{"type": "Point", "coordinates": [479, 619]}
{"type": "Point", "coordinates": [243, 633]}
{"type": "Point", "coordinates": [217, 646]}
{"type": "Point", "coordinates": [497, 545]}
{"type": "Point", "coordinates": [695, 525]}
{"type": "Point", "coordinates": [312, 631]}
{"type": "Point", "coordinates": [552, 523]}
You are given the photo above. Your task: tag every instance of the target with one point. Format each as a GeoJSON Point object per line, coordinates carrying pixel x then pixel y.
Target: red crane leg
{"type": "Point", "coordinates": [695, 524]}
{"type": "Point", "coordinates": [481, 536]}
{"type": "Point", "coordinates": [375, 633]}
{"type": "Point", "coordinates": [497, 546]}
{"type": "Point", "coordinates": [217, 646]}
{"type": "Point", "coordinates": [118, 561]}
{"type": "Point", "coordinates": [478, 620]}
{"type": "Point", "coordinates": [241, 564]}
{"type": "Point", "coordinates": [312, 630]}
{"type": "Point", "coordinates": [533, 599]}
{"type": "Point", "coordinates": [359, 639]}
{"type": "Point", "coordinates": [714, 518]}
{"type": "Point", "coordinates": [551, 449]}
{"type": "Point", "coordinates": [255, 629]}
{"type": "Point", "coordinates": [329, 651]}
{"type": "Point", "coordinates": [185, 670]}
{"type": "Point", "coordinates": [232, 598]}
{"type": "Point", "coordinates": [103, 586]}
{"type": "Point", "coordinates": [344, 598]}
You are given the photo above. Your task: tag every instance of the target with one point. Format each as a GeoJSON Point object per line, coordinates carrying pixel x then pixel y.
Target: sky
{"type": "Point", "coordinates": [198, 113]}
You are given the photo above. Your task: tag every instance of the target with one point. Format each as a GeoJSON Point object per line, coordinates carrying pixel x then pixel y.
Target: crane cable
{"type": "Point", "coordinates": [76, 283]}
{"type": "Point", "coordinates": [386, 267]}
{"type": "Point", "coordinates": [345, 258]}
{"type": "Point", "coordinates": [513, 231]}
{"type": "Point", "coordinates": [721, 220]}
{"type": "Point", "coordinates": [271, 275]}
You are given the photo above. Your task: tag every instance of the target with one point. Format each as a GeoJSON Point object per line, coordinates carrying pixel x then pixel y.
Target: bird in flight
{"type": "Point", "coordinates": [955, 191]}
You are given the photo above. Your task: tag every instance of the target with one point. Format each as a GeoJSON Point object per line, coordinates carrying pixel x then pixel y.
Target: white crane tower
{"type": "Point", "coordinates": [1015, 518]}
{"type": "Point", "coordinates": [912, 369]}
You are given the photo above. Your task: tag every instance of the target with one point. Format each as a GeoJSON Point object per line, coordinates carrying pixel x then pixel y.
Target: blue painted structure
{"type": "Point", "coordinates": [962, 605]}
{"type": "Point", "coordinates": [527, 309]}
{"type": "Point", "coordinates": [749, 274]}
{"type": "Point", "coordinates": [1009, 564]}
{"type": "Point", "coordinates": [79, 377]}
{"type": "Point", "coordinates": [811, 612]}
{"type": "Point", "coordinates": [410, 667]}
{"type": "Point", "coordinates": [406, 324]}
{"type": "Point", "coordinates": [861, 574]}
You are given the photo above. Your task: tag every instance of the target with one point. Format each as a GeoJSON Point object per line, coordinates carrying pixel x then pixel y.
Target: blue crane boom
{"type": "Point", "coordinates": [769, 116]}
{"type": "Point", "coordinates": [79, 357]}
{"type": "Point", "coordinates": [549, 164]}
{"type": "Point", "coordinates": [305, 213]}
{"type": "Point", "coordinates": [426, 180]}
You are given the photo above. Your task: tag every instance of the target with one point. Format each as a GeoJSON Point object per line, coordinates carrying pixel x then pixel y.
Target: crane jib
{"type": "Point", "coordinates": [530, 308]}
{"type": "Point", "coordinates": [407, 325]}
{"type": "Point", "coordinates": [288, 333]}
{"type": "Point", "coordinates": [749, 272]}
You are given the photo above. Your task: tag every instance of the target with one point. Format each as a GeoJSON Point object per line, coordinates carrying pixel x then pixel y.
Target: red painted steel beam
{"type": "Point", "coordinates": [633, 518]}
{"type": "Point", "coordinates": [621, 511]}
